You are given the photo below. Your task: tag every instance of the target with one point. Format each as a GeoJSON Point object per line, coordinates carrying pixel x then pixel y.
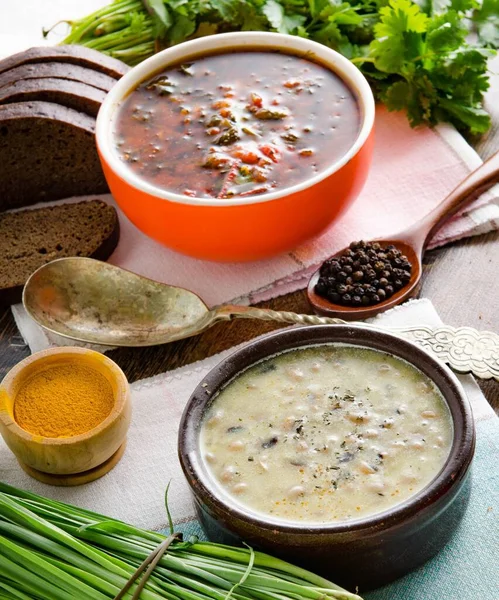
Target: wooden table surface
{"type": "Point", "coordinates": [460, 279]}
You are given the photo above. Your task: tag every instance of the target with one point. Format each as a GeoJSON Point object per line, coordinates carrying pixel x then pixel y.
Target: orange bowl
{"type": "Point", "coordinates": [249, 228]}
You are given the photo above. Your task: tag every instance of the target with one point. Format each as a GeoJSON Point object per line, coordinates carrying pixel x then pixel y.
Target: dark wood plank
{"type": "Point", "coordinates": [461, 281]}
{"type": "Point", "coordinates": [12, 346]}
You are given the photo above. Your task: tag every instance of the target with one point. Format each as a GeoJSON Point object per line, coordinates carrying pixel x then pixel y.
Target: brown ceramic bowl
{"type": "Point", "coordinates": [366, 552]}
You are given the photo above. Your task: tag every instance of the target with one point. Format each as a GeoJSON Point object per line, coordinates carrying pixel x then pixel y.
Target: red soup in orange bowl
{"type": "Point", "coordinates": [237, 146]}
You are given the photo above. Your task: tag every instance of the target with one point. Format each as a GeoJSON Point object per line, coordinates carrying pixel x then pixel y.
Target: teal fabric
{"type": "Point", "coordinates": [468, 567]}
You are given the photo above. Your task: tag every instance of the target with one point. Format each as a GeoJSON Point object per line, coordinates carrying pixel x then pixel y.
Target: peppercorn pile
{"type": "Point", "coordinates": [363, 275]}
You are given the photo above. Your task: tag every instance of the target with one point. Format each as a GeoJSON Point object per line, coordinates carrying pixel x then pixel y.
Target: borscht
{"type": "Point", "coordinates": [236, 124]}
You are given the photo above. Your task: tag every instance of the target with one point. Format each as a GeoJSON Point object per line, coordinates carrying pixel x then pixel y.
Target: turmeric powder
{"type": "Point", "coordinates": [63, 401]}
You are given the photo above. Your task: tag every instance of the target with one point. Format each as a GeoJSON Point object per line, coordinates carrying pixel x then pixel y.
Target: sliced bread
{"type": "Point", "coordinates": [73, 94]}
{"type": "Point", "coordinates": [47, 152]}
{"type": "Point", "coordinates": [73, 54]}
{"type": "Point", "coordinates": [31, 238]}
{"type": "Point", "coordinates": [59, 71]}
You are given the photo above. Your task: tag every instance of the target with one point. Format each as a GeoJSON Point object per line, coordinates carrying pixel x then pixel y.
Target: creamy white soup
{"type": "Point", "coordinates": [326, 433]}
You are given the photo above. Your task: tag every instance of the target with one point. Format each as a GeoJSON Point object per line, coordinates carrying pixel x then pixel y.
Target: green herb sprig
{"type": "Point", "coordinates": [415, 55]}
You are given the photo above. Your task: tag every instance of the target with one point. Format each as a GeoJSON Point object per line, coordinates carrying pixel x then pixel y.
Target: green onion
{"type": "Point", "coordinates": [55, 551]}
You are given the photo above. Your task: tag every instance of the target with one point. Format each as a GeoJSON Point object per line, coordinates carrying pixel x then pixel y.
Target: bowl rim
{"type": "Point", "coordinates": [225, 43]}
{"type": "Point", "coordinates": [17, 373]}
{"type": "Point", "coordinates": [452, 473]}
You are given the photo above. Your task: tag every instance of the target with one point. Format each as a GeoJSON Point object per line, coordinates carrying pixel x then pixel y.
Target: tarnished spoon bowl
{"type": "Point", "coordinates": [95, 302]}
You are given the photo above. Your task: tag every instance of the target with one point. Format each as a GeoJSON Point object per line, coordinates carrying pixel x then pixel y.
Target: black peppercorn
{"type": "Point", "coordinates": [321, 288]}
{"type": "Point", "coordinates": [365, 274]}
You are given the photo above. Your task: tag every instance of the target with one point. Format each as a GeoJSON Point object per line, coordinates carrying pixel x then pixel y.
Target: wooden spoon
{"type": "Point", "coordinates": [412, 242]}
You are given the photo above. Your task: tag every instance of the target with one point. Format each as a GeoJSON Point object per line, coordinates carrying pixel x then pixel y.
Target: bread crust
{"type": "Point", "coordinates": [60, 71]}
{"type": "Point", "coordinates": [73, 94]}
{"type": "Point", "coordinates": [73, 54]}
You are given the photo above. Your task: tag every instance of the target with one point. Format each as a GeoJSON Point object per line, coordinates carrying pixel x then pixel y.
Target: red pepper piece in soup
{"type": "Point", "coordinates": [236, 125]}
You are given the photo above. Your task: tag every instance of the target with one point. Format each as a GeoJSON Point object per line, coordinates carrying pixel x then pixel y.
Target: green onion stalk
{"type": "Point", "coordinates": [124, 30]}
{"type": "Point", "coordinates": [54, 551]}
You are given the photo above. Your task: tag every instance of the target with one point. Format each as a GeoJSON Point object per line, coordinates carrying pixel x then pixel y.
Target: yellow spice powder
{"type": "Point", "coordinates": [63, 401]}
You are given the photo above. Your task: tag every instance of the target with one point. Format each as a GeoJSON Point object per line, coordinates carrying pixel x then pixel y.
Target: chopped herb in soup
{"type": "Point", "coordinates": [236, 124]}
{"type": "Point", "coordinates": [327, 433]}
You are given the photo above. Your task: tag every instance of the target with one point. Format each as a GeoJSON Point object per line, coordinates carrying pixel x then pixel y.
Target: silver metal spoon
{"type": "Point", "coordinates": [95, 302]}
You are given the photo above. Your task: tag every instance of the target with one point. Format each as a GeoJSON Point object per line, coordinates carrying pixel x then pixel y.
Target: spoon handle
{"type": "Point", "coordinates": [477, 182]}
{"type": "Point", "coordinates": [464, 349]}
{"type": "Point", "coordinates": [227, 312]}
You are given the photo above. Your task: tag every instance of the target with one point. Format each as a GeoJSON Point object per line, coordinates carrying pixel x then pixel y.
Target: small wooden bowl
{"type": "Point", "coordinates": [72, 460]}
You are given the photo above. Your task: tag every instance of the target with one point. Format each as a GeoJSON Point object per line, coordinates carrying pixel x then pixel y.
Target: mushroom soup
{"type": "Point", "coordinates": [326, 433]}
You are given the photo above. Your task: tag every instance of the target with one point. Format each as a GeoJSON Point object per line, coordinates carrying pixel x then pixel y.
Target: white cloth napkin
{"type": "Point", "coordinates": [134, 490]}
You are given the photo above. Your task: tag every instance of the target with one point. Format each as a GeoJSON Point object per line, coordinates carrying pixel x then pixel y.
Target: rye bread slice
{"type": "Point", "coordinates": [59, 71]}
{"type": "Point", "coordinates": [31, 238]}
{"type": "Point", "coordinates": [73, 94]}
{"type": "Point", "coordinates": [73, 54]}
{"type": "Point", "coordinates": [47, 152]}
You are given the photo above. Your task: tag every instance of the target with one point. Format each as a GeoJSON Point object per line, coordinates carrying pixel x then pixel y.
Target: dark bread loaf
{"type": "Point", "coordinates": [47, 152]}
{"type": "Point", "coordinates": [73, 94]}
{"type": "Point", "coordinates": [73, 54]}
{"type": "Point", "coordinates": [31, 238]}
{"type": "Point", "coordinates": [59, 71]}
